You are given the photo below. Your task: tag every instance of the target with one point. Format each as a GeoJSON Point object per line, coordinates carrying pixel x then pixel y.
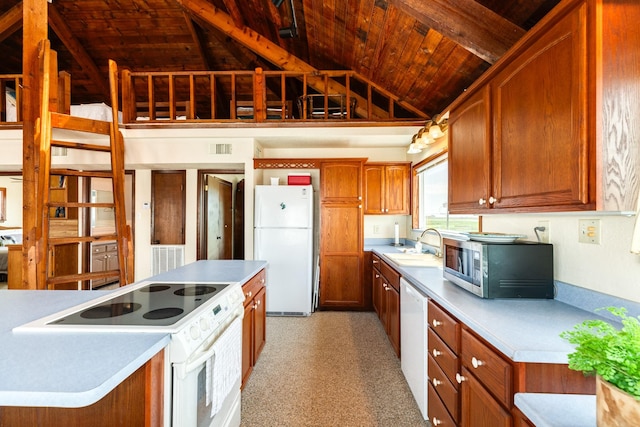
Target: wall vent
{"type": "Point", "coordinates": [166, 257]}
{"type": "Point", "coordinates": [220, 149]}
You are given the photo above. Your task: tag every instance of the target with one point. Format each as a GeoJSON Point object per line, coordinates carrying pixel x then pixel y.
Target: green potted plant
{"type": "Point", "coordinates": [613, 355]}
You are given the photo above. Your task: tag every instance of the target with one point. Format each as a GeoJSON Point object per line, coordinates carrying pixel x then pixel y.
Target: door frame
{"type": "Point", "coordinates": [201, 245]}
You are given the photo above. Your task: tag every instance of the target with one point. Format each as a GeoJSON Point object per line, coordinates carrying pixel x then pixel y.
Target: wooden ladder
{"type": "Point", "coordinates": [75, 133]}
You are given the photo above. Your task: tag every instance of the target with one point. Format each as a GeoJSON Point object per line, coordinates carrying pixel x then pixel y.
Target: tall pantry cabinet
{"type": "Point", "coordinates": [341, 241]}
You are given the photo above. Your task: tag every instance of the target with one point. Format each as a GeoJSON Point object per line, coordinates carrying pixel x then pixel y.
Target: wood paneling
{"type": "Point", "coordinates": [426, 53]}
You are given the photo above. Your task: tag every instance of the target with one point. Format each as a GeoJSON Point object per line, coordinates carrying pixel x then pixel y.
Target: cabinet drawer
{"type": "Point", "coordinates": [375, 259]}
{"type": "Point", "coordinates": [98, 248]}
{"type": "Point", "coordinates": [253, 286]}
{"type": "Point", "coordinates": [445, 326]}
{"type": "Point", "coordinates": [111, 247]}
{"type": "Point", "coordinates": [443, 356]}
{"type": "Point", "coordinates": [438, 414]}
{"type": "Point", "coordinates": [445, 388]}
{"type": "Point", "coordinates": [392, 276]}
{"type": "Point", "coordinates": [488, 367]}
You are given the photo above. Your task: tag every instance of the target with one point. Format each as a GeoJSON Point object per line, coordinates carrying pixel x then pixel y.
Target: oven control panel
{"type": "Point", "coordinates": [212, 319]}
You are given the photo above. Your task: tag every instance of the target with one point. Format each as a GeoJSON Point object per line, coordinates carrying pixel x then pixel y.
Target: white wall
{"type": "Point", "coordinates": [609, 267]}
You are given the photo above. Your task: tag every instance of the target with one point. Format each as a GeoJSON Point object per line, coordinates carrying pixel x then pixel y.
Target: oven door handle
{"type": "Point", "coordinates": [206, 354]}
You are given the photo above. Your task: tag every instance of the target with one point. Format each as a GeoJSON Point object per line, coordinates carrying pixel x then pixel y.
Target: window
{"type": "Point", "coordinates": [431, 207]}
{"type": "Point", "coordinates": [3, 204]}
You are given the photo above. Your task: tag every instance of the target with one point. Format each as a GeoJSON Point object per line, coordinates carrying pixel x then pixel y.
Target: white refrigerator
{"type": "Point", "coordinates": [283, 236]}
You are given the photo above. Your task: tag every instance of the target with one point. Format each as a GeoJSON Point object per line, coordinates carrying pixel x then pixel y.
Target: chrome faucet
{"type": "Point", "coordinates": [439, 249]}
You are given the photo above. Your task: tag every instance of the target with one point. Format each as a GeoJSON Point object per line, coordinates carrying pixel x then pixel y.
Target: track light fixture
{"type": "Point", "coordinates": [292, 30]}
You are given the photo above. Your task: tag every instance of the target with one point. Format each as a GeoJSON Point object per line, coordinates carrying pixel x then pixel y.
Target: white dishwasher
{"type": "Point", "coordinates": [413, 338]}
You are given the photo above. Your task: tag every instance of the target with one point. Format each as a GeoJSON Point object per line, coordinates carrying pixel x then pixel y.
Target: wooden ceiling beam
{"type": "Point", "coordinates": [272, 52]}
{"type": "Point", "coordinates": [57, 24]}
{"type": "Point", "coordinates": [10, 21]}
{"type": "Point", "coordinates": [468, 23]}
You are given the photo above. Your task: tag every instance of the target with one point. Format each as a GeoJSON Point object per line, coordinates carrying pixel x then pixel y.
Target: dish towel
{"type": "Point", "coordinates": [224, 368]}
{"type": "Point", "coordinates": [635, 239]}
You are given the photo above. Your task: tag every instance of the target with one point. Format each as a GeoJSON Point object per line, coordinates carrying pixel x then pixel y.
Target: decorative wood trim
{"type": "Point", "coordinates": [311, 163]}
{"type": "Point", "coordinates": [287, 163]}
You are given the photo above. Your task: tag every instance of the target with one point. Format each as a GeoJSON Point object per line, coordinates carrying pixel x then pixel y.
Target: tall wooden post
{"type": "Point", "coordinates": [34, 30]}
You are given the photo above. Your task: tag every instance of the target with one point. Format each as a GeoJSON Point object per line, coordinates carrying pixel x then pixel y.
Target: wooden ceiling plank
{"type": "Point", "coordinates": [406, 82]}
{"type": "Point", "coordinates": [265, 48]}
{"type": "Point", "coordinates": [362, 35]}
{"type": "Point", "coordinates": [473, 26]}
{"type": "Point", "coordinates": [57, 24]}
{"type": "Point", "coordinates": [351, 31]}
{"type": "Point", "coordinates": [404, 62]}
{"type": "Point", "coordinates": [373, 39]}
{"type": "Point", "coordinates": [10, 21]}
{"type": "Point", "coordinates": [397, 32]}
{"type": "Point", "coordinates": [196, 39]}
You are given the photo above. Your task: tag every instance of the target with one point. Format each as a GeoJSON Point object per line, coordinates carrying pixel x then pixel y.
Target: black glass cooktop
{"type": "Point", "coordinates": [156, 304]}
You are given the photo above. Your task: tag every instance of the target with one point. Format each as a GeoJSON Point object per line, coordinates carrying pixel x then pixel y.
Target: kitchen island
{"type": "Point", "coordinates": [64, 369]}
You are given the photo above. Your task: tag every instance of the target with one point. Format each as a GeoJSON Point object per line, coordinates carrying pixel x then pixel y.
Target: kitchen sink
{"type": "Point", "coordinates": [411, 259]}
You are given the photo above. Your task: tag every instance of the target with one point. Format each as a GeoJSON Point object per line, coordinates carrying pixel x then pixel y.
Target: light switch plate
{"type": "Point", "coordinates": [589, 231]}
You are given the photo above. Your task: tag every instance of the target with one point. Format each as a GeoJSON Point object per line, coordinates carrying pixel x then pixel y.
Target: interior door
{"type": "Point", "coordinates": [219, 218]}
{"type": "Point", "coordinates": [168, 207]}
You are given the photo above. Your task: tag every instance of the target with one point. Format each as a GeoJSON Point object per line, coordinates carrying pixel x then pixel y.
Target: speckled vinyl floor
{"type": "Point", "coordinates": [329, 369]}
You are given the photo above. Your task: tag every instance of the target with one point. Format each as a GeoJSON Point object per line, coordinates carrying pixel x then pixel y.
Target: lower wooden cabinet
{"type": "Point", "coordinates": [472, 384]}
{"type": "Point", "coordinates": [386, 300]}
{"type": "Point", "coordinates": [104, 257]}
{"type": "Point", "coordinates": [254, 323]}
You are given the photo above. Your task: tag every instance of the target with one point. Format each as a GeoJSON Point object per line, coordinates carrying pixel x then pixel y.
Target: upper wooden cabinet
{"type": "Point", "coordinates": [550, 127]}
{"type": "Point", "coordinates": [387, 188]}
{"type": "Point", "coordinates": [341, 181]}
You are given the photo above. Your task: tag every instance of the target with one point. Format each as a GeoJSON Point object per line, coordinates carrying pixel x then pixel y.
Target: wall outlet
{"type": "Point", "coordinates": [543, 235]}
{"type": "Point", "coordinates": [589, 231]}
{"type": "Point", "coordinates": [376, 229]}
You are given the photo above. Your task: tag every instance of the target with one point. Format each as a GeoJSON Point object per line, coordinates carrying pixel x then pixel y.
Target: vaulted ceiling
{"type": "Point", "coordinates": [426, 52]}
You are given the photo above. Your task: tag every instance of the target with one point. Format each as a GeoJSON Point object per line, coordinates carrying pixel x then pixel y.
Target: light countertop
{"type": "Point", "coordinates": [558, 410]}
{"type": "Point", "coordinates": [65, 369]}
{"type": "Point", "coordinates": [525, 330]}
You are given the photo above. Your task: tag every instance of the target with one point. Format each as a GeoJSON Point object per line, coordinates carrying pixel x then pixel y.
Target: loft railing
{"type": "Point", "coordinates": [257, 96]}
{"type": "Point", "coordinates": [11, 96]}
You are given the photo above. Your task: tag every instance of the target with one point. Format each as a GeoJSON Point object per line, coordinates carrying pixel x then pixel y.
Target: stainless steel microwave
{"type": "Point", "coordinates": [500, 270]}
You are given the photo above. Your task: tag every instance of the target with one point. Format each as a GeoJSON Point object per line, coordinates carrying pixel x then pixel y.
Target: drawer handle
{"type": "Point", "coordinates": [436, 323]}
{"type": "Point", "coordinates": [377, 276]}
{"type": "Point", "coordinates": [249, 294]}
{"type": "Point", "coordinates": [481, 201]}
{"type": "Point", "coordinates": [375, 261]}
{"type": "Point", "coordinates": [460, 378]}
{"type": "Point", "coordinates": [255, 306]}
{"type": "Point", "coordinates": [259, 302]}
{"type": "Point", "coordinates": [476, 363]}
{"type": "Point", "coordinates": [435, 421]}
{"type": "Point", "coordinates": [435, 382]}
{"type": "Point", "coordinates": [436, 353]}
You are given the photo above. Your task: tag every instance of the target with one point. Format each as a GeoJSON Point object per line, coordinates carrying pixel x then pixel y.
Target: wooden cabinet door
{"type": "Point", "coordinates": [393, 318]}
{"type": "Point", "coordinates": [378, 293]}
{"type": "Point", "coordinates": [478, 407]}
{"type": "Point", "coordinates": [247, 342]}
{"type": "Point", "coordinates": [397, 185]}
{"type": "Point", "coordinates": [373, 189]}
{"type": "Point", "coordinates": [469, 154]}
{"type": "Point", "coordinates": [341, 181]}
{"type": "Point", "coordinates": [541, 153]}
{"type": "Point", "coordinates": [259, 323]}
{"type": "Point", "coordinates": [341, 281]}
